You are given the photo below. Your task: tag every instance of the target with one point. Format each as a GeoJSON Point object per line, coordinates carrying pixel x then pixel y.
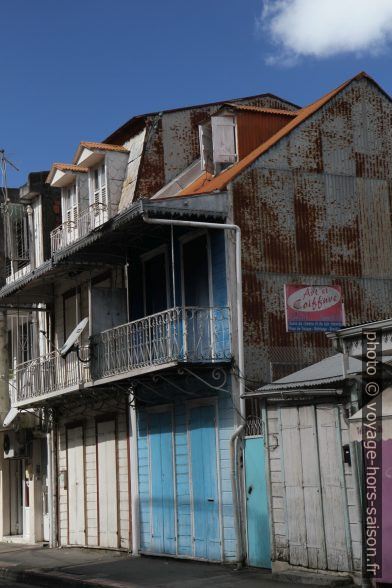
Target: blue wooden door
{"type": "Point", "coordinates": [258, 531]}
{"type": "Point", "coordinates": [162, 483]}
{"type": "Point", "coordinates": [205, 483]}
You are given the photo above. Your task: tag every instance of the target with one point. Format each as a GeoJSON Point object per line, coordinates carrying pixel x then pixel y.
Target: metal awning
{"type": "Point", "coordinates": [109, 244]}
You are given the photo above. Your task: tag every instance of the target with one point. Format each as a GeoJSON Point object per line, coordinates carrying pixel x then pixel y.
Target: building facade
{"type": "Point", "coordinates": [174, 238]}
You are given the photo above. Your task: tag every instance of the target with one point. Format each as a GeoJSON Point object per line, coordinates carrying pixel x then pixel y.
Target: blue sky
{"type": "Point", "coordinates": [74, 71]}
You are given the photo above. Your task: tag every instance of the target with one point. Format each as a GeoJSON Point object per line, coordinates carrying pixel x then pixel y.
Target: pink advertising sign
{"type": "Point", "coordinates": [313, 308]}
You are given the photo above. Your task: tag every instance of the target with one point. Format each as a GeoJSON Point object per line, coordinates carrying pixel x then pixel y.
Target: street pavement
{"type": "Point", "coordinates": [23, 565]}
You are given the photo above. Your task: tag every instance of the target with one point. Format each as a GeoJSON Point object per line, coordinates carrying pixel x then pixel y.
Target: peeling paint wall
{"type": "Point", "coordinates": [135, 146]}
{"type": "Point", "coordinates": [316, 208]}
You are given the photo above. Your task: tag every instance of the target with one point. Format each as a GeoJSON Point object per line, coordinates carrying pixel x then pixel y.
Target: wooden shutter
{"type": "Point", "coordinates": [205, 137]}
{"type": "Point", "coordinates": [223, 139]}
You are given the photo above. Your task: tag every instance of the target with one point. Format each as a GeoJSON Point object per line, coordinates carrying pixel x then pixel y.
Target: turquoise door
{"type": "Point", "coordinates": [258, 531]}
{"type": "Point", "coordinates": [162, 483]}
{"type": "Point", "coordinates": [205, 483]}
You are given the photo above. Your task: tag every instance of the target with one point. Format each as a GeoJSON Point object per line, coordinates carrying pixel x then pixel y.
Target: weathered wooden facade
{"type": "Point", "coordinates": [315, 509]}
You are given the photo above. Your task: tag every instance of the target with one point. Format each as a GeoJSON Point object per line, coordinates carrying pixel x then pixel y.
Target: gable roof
{"type": "Point", "coordinates": [97, 147]}
{"type": "Point", "coordinates": [206, 184]}
{"type": "Point", "coordinates": [66, 168]}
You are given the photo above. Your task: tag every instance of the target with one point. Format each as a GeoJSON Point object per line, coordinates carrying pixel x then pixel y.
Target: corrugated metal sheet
{"type": "Point", "coordinates": [309, 213]}
{"type": "Point", "coordinates": [172, 140]}
{"type": "Point", "coordinates": [255, 127]}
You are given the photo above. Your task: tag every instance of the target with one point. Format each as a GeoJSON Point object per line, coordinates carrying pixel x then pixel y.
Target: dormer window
{"type": "Point", "coordinates": [218, 143]}
{"type": "Point", "coordinates": [107, 166]}
{"type": "Point", "coordinates": [72, 179]}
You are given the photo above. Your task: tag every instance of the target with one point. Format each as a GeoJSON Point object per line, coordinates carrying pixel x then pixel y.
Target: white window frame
{"type": "Point", "coordinates": [70, 211]}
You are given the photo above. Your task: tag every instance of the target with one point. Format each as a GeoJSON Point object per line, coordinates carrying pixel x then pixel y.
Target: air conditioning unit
{"type": "Point", "coordinates": [14, 444]}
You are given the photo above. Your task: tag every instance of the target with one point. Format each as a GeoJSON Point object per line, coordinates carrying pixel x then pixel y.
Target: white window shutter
{"type": "Point", "coordinates": [223, 139]}
{"type": "Point", "coordinates": [205, 137]}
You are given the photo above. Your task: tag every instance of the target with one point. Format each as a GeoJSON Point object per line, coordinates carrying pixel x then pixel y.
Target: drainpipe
{"type": "Point", "coordinates": [4, 369]}
{"type": "Point", "coordinates": [30, 224]}
{"type": "Point", "coordinates": [241, 362]}
{"type": "Point", "coordinates": [52, 483]}
{"type": "Point", "coordinates": [50, 486]}
{"type": "Point", "coordinates": [133, 468]}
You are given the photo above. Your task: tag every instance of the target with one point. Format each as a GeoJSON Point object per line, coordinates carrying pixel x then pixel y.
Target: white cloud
{"type": "Point", "coordinates": [323, 28]}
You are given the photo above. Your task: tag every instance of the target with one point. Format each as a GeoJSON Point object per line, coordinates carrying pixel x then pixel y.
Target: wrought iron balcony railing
{"type": "Point", "coordinates": [50, 373]}
{"type": "Point", "coordinates": [191, 334]}
{"type": "Point", "coordinates": [91, 218]}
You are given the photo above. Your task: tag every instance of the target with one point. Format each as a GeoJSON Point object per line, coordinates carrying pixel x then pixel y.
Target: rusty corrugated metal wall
{"type": "Point", "coordinates": [253, 128]}
{"type": "Point", "coordinates": [316, 208]}
{"type": "Point", "coordinates": [172, 141]}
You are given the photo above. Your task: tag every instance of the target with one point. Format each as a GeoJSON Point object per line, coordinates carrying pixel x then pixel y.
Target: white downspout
{"type": "Point", "coordinates": [51, 488]}
{"type": "Point", "coordinates": [133, 468]}
{"type": "Point", "coordinates": [241, 362]}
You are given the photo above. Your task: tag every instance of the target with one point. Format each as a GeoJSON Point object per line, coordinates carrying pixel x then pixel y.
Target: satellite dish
{"type": "Point", "coordinates": [69, 345]}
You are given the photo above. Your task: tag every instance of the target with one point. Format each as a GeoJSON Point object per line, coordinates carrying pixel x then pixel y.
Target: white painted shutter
{"type": "Point", "coordinates": [223, 139]}
{"type": "Point", "coordinates": [205, 137]}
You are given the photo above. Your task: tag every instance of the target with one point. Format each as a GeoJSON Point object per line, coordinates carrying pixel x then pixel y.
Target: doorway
{"type": "Point", "coordinates": [107, 483]}
{"type": "Point", "coordinates": [17, 496]}
{"type": "Point", "coordinates": [76, 494]}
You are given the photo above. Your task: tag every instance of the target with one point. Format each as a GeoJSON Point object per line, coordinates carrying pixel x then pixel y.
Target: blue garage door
{"type": "Point", "coordinates": [162, 483]}
{"type": "Point", "coordinates": [204, 483]}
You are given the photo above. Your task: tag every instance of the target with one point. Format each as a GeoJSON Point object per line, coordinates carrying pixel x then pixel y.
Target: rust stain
{"type": "Point", "coordinates": [151, 172]}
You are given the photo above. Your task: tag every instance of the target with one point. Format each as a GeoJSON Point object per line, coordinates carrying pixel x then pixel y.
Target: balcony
{"type": "Point", "coordinates": [91, 218]}
{"type": "Point", "coordinates": [178, 335]}
{"type": "Point", "coordinates": [49, 374]}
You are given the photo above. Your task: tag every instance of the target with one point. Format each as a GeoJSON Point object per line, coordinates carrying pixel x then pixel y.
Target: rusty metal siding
{"type": "Point", "coordinates": [172, 141]}
{"type": "Point", "coordinates": [316, 208]}
{"type": "Point", "coordinates": [254, 128]}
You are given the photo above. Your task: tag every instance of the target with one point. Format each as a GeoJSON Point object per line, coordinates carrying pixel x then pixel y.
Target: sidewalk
{"type": "Point", "coordinates": [87, 568]}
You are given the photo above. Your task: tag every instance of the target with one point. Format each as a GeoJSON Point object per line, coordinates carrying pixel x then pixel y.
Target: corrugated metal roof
{"type": "Point", "coordinates": [220, 181]}
{"type": "Point", "coordinates": [324, 372]}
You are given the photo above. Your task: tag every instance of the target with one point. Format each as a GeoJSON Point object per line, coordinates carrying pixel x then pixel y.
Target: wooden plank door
{"type": "Point", "coordinates": [205, 483]}
{"type": "Point", "coordinates": [333, 489]}
{"type": "Point", "coordinates": [76, 497]}
{"type": "Point", "coordinates": [258, 530]}
{"type": "Point", "coordinates": [293, 481]}
{"type": "Point", "coordinates": [163, 538]}
{"type": "Point", "coordinates": [107, 484]}
{"type": "Point", "coordinates": [314, 520]}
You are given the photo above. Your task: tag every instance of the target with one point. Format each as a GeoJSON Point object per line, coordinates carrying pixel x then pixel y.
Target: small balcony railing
{"type": "Point", "coordinates": [191, 334]}
{"type": "Point", "coordinates": [91, 218]}
{"type": "Point", "coordinates": [51, 373]}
